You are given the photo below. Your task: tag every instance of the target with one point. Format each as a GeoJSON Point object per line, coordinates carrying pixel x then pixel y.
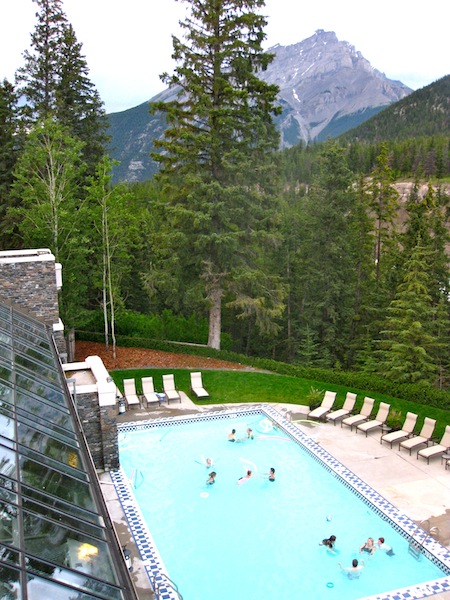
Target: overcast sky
{"type": "Point", "coordinates": [127, 43]}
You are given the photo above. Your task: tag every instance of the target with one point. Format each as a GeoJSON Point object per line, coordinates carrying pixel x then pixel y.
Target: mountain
{"type": "Point", "coordinates": [326, 88]}
{"type": "Point", "coordinates": [424, 113]}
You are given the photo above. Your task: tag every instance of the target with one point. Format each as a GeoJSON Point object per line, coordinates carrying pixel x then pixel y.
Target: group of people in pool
{"type": "Point", "coordinates": [232, 436]}
{"type": "Point", "coordinates": [249, 474]}
{"type": "Point", "coordinates": [369, 547]}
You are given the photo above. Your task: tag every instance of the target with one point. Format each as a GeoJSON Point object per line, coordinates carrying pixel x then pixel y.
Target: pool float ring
{"type": "Point", "coordinates": [265, 425]}
{"type": "Point", "coordinates": [204, 494]}
{"type": "Point", "coordinates": [330, 584]}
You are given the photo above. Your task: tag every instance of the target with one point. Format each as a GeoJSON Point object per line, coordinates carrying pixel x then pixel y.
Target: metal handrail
{"type": "Point", "coordinates": [167, 583]}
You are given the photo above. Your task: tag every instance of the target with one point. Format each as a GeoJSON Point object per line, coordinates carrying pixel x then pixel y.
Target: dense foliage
{"type": "Point", "coordinates": [317, 257]}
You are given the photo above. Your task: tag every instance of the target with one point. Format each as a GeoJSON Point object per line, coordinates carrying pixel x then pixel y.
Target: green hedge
{"type": "Point", "coordinates": [411, 392]}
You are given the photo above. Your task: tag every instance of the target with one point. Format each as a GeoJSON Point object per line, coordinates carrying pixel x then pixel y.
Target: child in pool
{"type": "Point", "coordinates": [212, 478]}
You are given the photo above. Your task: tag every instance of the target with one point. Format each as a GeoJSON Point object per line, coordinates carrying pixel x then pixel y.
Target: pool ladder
{"type": "Point", "coordinates": [165, 582]}
{"type": "Point", "coordinates": [415, 546]}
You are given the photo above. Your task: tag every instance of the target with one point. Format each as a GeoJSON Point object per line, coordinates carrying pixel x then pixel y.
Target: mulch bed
{"type": "Point", "coordinates": [136, 358]}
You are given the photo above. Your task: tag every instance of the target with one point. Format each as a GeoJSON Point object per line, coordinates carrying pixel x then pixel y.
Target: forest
{"type": "Point", "coordinates": [307, 256]}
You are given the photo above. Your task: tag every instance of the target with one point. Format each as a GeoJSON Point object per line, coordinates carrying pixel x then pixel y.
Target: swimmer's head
{"type": "Point", "coordinates": [272, 470]}
{"type": "Point", "coordinates": [233, 431]}
{"type": "Point", "coordinates": [212, 474]}
{"type": "Point", "coordinates": [332, 538]}
{"type": "Point", "coordinates": [354, 562]}
{"type": "Point", "coordinates": [381, 540]}
{"type": "Point", "coordinates": [249, 472]}
{"type": "Point", "coordinates": [209, 461]}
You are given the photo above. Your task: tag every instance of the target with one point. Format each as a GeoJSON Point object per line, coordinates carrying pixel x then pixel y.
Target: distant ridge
{"type": "Point", "coordinates": [326, 88]}
{"type": "Point", "coordinates": [424, 113]}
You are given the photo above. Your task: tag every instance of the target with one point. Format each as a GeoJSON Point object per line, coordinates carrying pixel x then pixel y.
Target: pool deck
{"type": "Point", "coordinates": [419, 490]}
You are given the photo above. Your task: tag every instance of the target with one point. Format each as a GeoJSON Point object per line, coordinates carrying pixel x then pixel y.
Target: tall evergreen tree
{"type": "Point", "coordinates": [216, 159]}
{"type": "Point", "coordinates": [38, 79]}
{"type": "Point", "coordinates": [54, 82]}
{"type": "Point", "coordinates": [78, 104]}
{"type": "Point", "coordinates": [408, 342]}
{"type": "Point", "coordinates": [9, 148]}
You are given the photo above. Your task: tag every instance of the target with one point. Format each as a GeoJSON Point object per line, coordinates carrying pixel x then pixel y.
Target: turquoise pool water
{"type": "Point", "coordinates": [258, 540]}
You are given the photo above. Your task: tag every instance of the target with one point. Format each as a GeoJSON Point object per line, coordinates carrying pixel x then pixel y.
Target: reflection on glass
{"type": "Point", "coordinates": [77, 580]}
{"type": "Point", "coordinates": [48, 445]}
{"type": "Point", "coordinates": [41, 589]}
{"type": "Point", "coordinates": [66, 547]}
{"type": "Point", "coordinates": [55, 418]}
{"type": "Point", "coordinates": [55, 464]}
{"type": "Point", "coordinates": [6, 393]}
{"type": "Point", "coordinates": [9, 533]}
{"type": "Point", "coordinates": [9, 583]}
{"type": "Point", "coordinates": [60, 506]}
{"type": "Point", "coordinates": [7, 462]}
{"type": "Point", "coordinates": [58, 484]}
{"type": "Point", "coordinates": [39, 388]}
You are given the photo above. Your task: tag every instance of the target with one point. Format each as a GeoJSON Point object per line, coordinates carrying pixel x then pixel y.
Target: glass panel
{"type": "Point", "coordinates": [61, 506]}
{"type": "Point", "coordinates": [66, 437]}
{"type": "Point", "coordinates": [40, 388]}
{"type": "Point", "coordinates": [9, 583]}
{"type": "Point", "coordinates": [8, 555]}
{"type": "Point", "coordinates": [55, 417]}
{"type": "Point", "coordinates": [9, 531]}
{"type": "Point", "coordinates": [41, 589]}
{"type": "Point", "coordinates": [5, 352]}
{"type": "Point", "coordinates": [55, 464]}
{"type": "Point", "coordinates": [8, 489]}
{"type": "Point", "coordinates": [38, 354]}
{"type": "Point", "coordinates": [6, 393]}
{"type": "Point", "coordinates": [69, 548]}
{"type": "Point", "coordinates": [5, 371]}
{"type": "Point", "coordinates": [58, 484]}
{"type": "Point", "coordinates": [82, 582]}
{"type": "Point", "coordinates": [34, 438]}
{"type": "Point", "coordinates": [36, 368]}
{"type": "Point", "coordinates": [6, 423]}
{"type": "Point", "coordinates": [71, 521]}
{"type": "Point", "coordinates": [7, 462]}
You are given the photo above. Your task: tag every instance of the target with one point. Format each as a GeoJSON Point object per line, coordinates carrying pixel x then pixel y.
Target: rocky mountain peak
{"type": "Point", "coordinates": [326, 88]}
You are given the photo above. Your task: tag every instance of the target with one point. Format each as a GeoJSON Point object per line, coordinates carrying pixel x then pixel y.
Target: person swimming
{"type": "Point", "coordinates": [329, 542]}
{"type": "Point", "coordinates": [232, 436]}
{"type": "Point", "coordinates": [212, 478]}
{"type": "Point", "coordinates": [383, 546]}
{"type": "Point", "coordinates": [354, 571]}
{"type": "Point", "coordinates": [272, 474]}
{"type": "Point", "coordinates": [368, 546]}
{"type": "Point", "coordinates": [245, 477]}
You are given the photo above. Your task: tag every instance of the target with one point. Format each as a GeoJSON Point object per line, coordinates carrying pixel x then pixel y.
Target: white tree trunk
{"type": "Point", "coordinates": [215, 316]}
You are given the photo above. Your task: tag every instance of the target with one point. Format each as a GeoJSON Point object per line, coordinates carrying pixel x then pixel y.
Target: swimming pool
{"type": "Point", "coordinates": [260, 539]}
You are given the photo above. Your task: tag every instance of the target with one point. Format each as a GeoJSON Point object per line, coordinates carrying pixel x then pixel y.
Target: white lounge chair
{"type": "Point", "coordinates": [347, 408]}
{"type": "Point", "coordinates": [363, 415]}
{"type": "Point", "coordinates": [379, 421]}
{"type": "Point", "coordinates": [403, 433]}
{"type": "Point", "coordinates": [436, 449]}
{"type": "Point", "coordinates": [325, 407]}
{"type": "Point", "coordinates": [148, 392]}
{"type": "Point", "coordinates": [169, 389]}
{"type": "Point", "coordinates": [131, 398]}
{"type": "Point", "coordinates": [197, 386]}
{"type": "Point", "coordinates": [423, 438]}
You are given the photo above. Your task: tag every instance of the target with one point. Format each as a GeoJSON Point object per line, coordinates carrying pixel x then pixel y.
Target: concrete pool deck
{"type": "Point", "coordinates": [419, 490]}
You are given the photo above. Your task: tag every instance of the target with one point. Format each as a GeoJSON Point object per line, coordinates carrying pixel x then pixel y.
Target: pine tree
{"type": "Point", "coordinates": [54, 82]}
{"type": "Point", "coordinates": [78, 104]}
{"type": "Point", "coordinates": [38, 79]}
{"type": "Point", "coordinates": [408, 342]}
{"type": "Point", "coordinates": [9, 149]}
{"type": "Point", "coordinates": [216, 159]}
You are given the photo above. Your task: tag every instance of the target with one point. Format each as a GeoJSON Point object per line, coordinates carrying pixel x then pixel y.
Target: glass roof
{"type": "Point", "coordinates": [55, 537]}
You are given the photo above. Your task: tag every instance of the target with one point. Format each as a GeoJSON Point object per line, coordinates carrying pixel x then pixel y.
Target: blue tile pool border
{"type": "Point", "coordinates": [153, 562]}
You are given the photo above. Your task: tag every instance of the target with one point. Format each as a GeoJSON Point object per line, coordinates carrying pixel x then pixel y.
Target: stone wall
{"type": "Point", "coordinates": [32, 286]}
{"type": "Point", "coordinates": [100, 429]}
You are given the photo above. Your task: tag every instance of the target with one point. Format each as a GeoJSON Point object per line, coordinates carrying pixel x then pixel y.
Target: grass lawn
{"type": "Point", "coordinates": [226, 387]}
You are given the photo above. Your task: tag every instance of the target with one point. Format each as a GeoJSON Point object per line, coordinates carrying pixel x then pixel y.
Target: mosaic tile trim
{"type": "Point", "coordinates": [434, 551]}
{"type": "Point", "coordinates": [151, 559]}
